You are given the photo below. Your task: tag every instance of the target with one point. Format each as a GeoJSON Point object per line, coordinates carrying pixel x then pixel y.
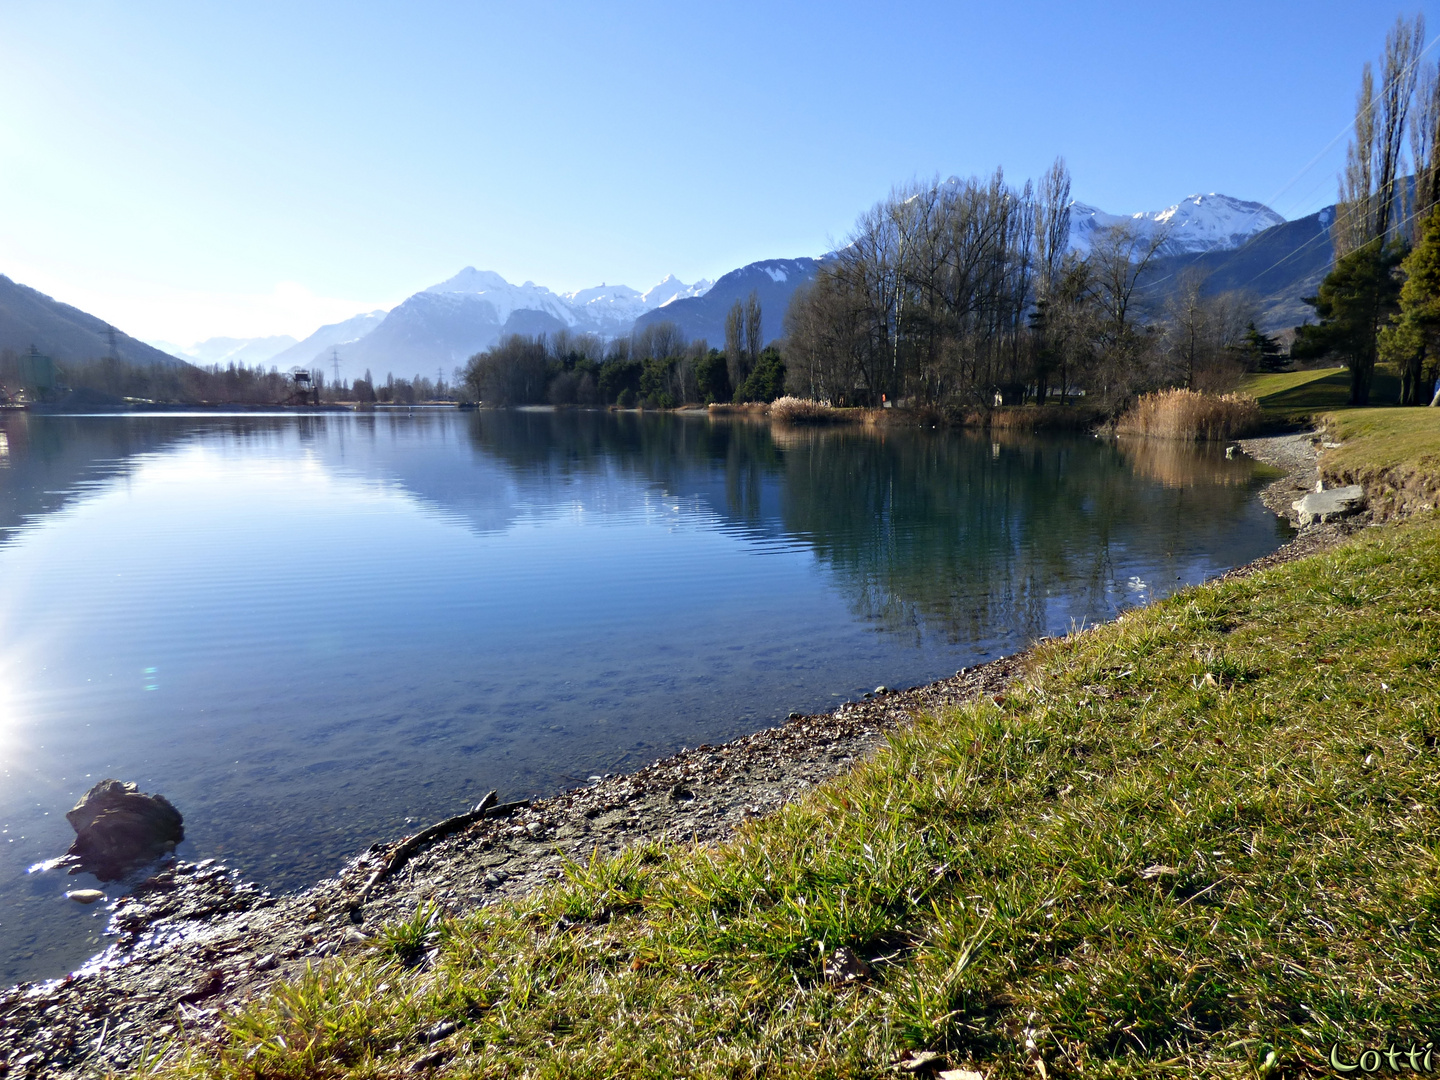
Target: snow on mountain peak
{"type": "Point", "coordinates": [1212, 222]}
{"type": "Point", "coordinates": [671, 289]}
{"type": "Point", "coordinates": [471, 280]}
{"type": "Point", "coordinates": [604, 309]}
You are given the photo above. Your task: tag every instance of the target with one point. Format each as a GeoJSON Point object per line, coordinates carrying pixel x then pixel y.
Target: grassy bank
{"type": "Point", "coordinates": [1203, 840]}
{"type": "Point", "coordinates": [1394, 453]}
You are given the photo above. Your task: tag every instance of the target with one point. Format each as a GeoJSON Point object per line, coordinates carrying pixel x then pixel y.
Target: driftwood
{"type": "Point", "coordinates": [488, 807]}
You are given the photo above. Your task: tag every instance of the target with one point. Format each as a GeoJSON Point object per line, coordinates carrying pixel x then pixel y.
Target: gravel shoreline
{"type": "Point", "coordinates": [196, 941]}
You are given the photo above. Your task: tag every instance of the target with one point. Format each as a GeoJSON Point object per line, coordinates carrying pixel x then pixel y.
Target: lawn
{"type": "Point", "coordinates": [1200, 841]}
{"type": "Point", "coordinates": [1298, 394]}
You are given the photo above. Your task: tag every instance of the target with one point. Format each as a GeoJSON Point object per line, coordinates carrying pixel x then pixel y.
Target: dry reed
{"type": "Point", "coordinates": [1191, 416]}
{"type": "Point", "coordinates": [793, 410]}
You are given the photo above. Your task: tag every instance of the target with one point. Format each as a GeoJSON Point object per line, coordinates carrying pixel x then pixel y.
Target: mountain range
{"type": "Point", "coordinates": [1232, 243]}
{"type": "Point", "coordinates": [442, 326]}
{"type": "Point", "coordinates": [1279, 267]}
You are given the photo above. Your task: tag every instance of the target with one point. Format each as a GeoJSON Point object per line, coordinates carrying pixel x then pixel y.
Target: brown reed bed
{"type": "Point", "coordinates": [794, 410]}
{"type": "Point", "coordinates": [1191, 416]}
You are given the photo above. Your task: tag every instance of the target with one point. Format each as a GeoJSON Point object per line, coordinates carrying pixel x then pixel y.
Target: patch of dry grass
{"type": "Point", "coordinates": [1191, 416]}
{"type": "Point", "coordinates": [793, 410]}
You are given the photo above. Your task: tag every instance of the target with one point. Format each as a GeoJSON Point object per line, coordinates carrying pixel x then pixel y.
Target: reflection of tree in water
{"type": "Point", "coordinates": [924, 531]}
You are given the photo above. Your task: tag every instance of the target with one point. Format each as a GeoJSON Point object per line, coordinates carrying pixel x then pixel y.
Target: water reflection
{"type": "Point", "coordinates": [306, 630]}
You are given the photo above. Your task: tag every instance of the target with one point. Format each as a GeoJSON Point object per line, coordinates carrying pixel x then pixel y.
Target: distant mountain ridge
{"type": "Point", "coordinates": [773, 281]}
{"type": "Point", "coordinates": [1280, 266]}
{"type": "Point", "coordinates": [317, 350]}
{"type": "Point", "coordinates": [442, 326]}
{"type": "Point", "coordinates": [30, 318]}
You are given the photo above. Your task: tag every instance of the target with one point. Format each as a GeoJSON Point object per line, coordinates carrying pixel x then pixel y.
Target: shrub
{"type": "Point", "coordinates": [1190, 415]}
{"type": "Point", "coordinates": [793, 410]}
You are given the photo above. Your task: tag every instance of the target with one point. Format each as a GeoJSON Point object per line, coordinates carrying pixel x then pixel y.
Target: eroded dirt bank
{"type": "Point", "coordinates": [196, 941]}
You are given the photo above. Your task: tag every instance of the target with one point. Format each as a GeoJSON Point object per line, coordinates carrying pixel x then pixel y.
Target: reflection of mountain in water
{"type": "Point", "coordinates": [956, 533]}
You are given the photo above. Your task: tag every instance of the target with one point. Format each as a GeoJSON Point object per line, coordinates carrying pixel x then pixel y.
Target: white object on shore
{"type": "Point", "coordinates": [1321, 505]}
{"type": "Point", "coordinates": [85, 896]}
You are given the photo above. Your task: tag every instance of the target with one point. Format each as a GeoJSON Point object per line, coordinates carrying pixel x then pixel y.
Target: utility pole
{"type": "Point", "coordinates": [335, 363]}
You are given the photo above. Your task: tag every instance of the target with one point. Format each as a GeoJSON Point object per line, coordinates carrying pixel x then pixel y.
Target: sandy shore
{"type": "Point", "coordinates": [196, 941]}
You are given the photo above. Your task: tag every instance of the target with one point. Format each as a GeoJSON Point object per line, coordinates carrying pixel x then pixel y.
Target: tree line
{"type": "Point", "coordinates": [967, 292]}
{"type": "Point", "coordinates": [110, 381]}
{"type": "Point", "coordinates": [1381, 300]}
{"type": "Point", "coordinates": [654, 367]}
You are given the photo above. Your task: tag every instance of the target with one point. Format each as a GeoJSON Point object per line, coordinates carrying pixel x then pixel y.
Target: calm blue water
{"type": "Point", "coordinates": [311, 631]}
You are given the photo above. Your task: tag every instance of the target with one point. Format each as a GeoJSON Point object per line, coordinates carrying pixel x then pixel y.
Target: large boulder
{"type": "Point", "coordinates": [118, 828]}
{"type": "Point", "coordinates": [1323, 504]}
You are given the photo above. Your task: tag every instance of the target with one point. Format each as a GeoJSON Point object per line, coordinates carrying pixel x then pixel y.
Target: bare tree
{"type": "Point", "coordinates": [1353, 227]}
{"type": "Point", "coordinates": [735, 343]}
{"type": "Point", "coordinates": [1118, 258]}
{"type": "Point", "coordinates": [657, 341]}
{"type": "Point", "coordinates": [754, 328]}
{"type": "Point", "coordinates": [1400, 67]}
{"type": "Point", "coordinates": [1372, 187]}
{"type": "Point", "coordinates": [1424, 142]}
{"type": "Point", "coordinates": [1052, 225]}
{"type": "Point", "coordinates": [1189, 326]}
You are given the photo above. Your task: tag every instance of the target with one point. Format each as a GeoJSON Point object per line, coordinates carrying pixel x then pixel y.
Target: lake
{"type": "Point", "coordinates": [313, 632]}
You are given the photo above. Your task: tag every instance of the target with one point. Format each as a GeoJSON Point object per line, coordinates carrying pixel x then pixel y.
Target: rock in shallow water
{"type": "Point", "coordinates": [118, 828]}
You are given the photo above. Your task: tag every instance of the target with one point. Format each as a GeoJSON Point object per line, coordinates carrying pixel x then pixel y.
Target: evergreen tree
{"type": "Point", "coordinates": [1354, 301]}
{"type": "Point", "coordinates": [1412, 340]}
{"type": "Point", "coordinates": [1261, 351]}
{"type": "Point", "coordinates": [767, 381]}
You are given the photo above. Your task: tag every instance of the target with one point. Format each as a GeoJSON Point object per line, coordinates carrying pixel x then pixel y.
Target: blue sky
{"type": "Point", "coordinates": [194, 169]}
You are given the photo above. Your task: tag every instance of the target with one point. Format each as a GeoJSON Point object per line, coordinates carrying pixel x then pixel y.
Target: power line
{"type": "Point", "coordinates": [1349, 126]}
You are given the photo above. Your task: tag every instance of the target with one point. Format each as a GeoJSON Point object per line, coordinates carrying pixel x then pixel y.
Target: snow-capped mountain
{"type": "Point", "coordinates": [671, 289]}
{"type": "Point", "coordinates": [1212, 222]}
{"type": "Point", "coordinates": [602, 309]}
{"type": "Point", "coordinates": [773, 281]}
{"type": "Point", "coordinates": [444, 325]}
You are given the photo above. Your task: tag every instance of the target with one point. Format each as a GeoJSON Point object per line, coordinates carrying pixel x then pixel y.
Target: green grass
{"type": "Point", "coordinates": [1298, 394]}
{"type": "Point", "coordinates": [1306, 387]}
{"type": "Point", "coordinates": [1383, 440]}
{"type": "Point", "coordinates": [1394, 453]}
{"type": "Point", "coordinates": [1201, 841]}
